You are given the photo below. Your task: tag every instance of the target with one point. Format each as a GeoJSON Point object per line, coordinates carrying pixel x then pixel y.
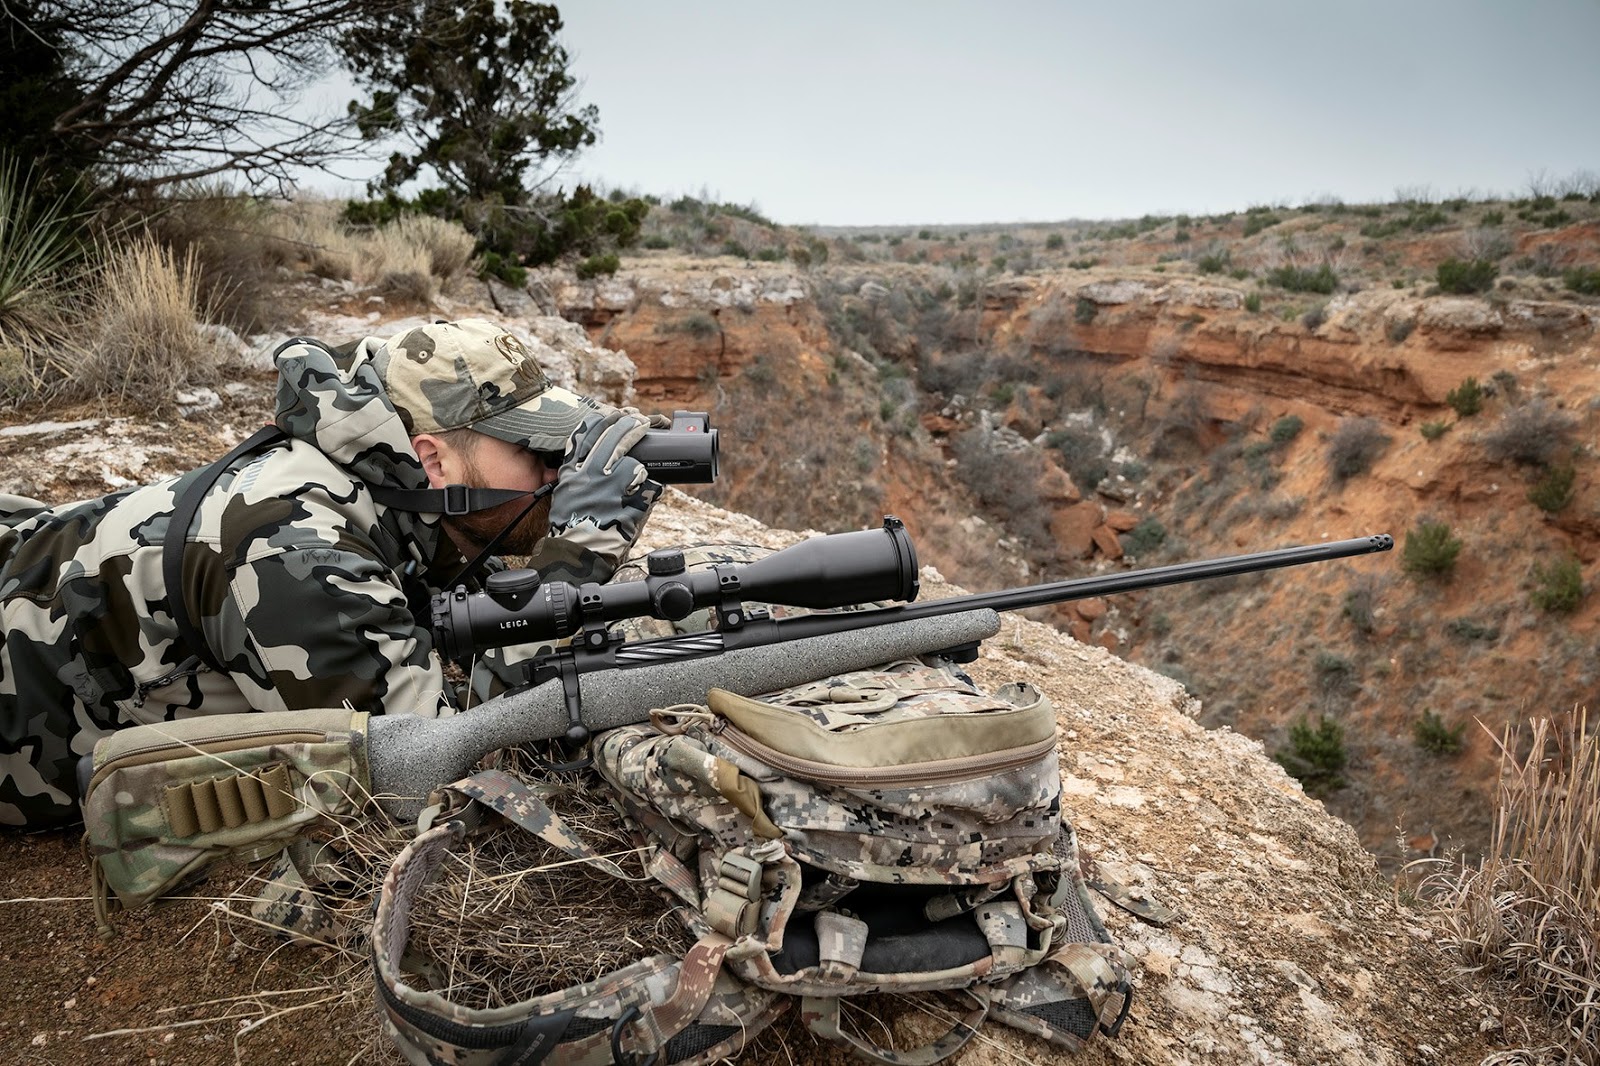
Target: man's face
{"type": "Point", "coordinates": [498, 464]}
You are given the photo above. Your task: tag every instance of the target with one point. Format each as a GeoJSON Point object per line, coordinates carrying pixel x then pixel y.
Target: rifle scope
{"type": "Point", "coordinates": [686, 454]}
{"type": "Point", "coordinates": [839, 570]}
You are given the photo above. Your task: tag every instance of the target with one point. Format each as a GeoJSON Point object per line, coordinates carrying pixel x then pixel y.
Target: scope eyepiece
{"type": "Point", "coordinates": [686, 454]}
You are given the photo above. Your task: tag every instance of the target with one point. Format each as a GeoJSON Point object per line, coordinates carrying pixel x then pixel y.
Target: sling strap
{"type": "Point", "coordinates": [178, 538]}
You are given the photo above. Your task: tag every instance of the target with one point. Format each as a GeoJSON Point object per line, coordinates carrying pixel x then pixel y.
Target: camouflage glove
{"type": "Point", "coordinates": [601, 499]}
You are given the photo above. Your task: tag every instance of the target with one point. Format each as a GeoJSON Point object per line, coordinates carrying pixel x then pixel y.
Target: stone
{"type": "Point", "coordinates": [1121, 521]}
{"type": "Point", "coordinates": [1092, 609]}
{"type": "Point", "coordinates": [1105, 538]}
{"type": "Point", "coordinates": [1073, 528]}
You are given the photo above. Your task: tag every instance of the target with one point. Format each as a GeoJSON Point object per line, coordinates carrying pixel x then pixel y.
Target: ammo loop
{"type": "Point", "coordinates": [230, 801]}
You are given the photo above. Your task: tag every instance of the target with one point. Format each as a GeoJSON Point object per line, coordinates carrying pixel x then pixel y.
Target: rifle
{"type": "Point", "coordinates": [601, 681]}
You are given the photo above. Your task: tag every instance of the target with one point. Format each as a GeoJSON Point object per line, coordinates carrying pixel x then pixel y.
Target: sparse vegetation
{"type": "Point", "coordinates": [1146, 537]}
{"type": "Point", "coordinates": [1584, 280]}
{"type": "Point", "coordinates": [1466, 398]}
{"type": "Point", "coordinates": [1434, 430]}
{"type": "Point", "coordinates": [1465, 276]}
{"type": "Point", "coordinates": [597, 265]}
{"type": "Point", "coordinates": [1400, 328]}
{"type": "Point", "coordinates": [1554, 490]}
{"type": "Point", "coordinates": [1304, 279]}
{"type": "Point", "coordinates": [1354, 447]}
{"type": "Point", "coordinates": [1252, 302]}
{"type": "Point", "coordinates": [1530, 434]}
{"type": "Point", "coordinates": [1084, 311]}
{"type": "Point", "coordinates": [1316, 755]}
{"type": "Point", "coordinates": [1430, 550]}
{"type": "Point", "coordinates": [1558, 585]}
{"type": "Point", "coordinates": [1286, 429]}
{"type": "Point", "coordinates": [1436, 738]}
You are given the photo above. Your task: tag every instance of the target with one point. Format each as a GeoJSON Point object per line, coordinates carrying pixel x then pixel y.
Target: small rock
{"type": "Point", "coordinates": [194, 401]}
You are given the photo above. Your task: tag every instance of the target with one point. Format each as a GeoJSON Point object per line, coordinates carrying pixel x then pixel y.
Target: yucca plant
{"type": "Point", "coordinates": [42, 269]}
{"type": "Point", "coordinates": [1528, 914]}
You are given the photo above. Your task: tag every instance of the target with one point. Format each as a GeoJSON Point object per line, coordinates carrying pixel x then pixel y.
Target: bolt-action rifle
{"type": "Point", "coordinates": [600, 680]}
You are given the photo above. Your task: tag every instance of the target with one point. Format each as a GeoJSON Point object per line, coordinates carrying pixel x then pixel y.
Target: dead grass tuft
{"type": "Point", "coordinates": [145, 339]}
{"type": "Point", "coordinates": [1528, 915]}
{"type": "Point", "coordinates": [506, 917]}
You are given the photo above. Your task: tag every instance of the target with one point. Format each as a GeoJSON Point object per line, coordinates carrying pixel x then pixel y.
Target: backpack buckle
{"type": "Point", "coordinates": [732, 905]}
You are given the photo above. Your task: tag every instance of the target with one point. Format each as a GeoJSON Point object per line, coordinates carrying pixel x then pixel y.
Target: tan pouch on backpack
{"type": "Point", "coordinates": [167, 799]}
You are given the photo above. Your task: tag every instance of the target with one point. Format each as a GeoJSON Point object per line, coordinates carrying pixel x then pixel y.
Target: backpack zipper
{"type": "Point", "coordinates": [935, 772]}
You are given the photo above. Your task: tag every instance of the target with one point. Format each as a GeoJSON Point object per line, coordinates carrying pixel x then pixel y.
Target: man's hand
{"type": "Point", "coordinates": [601, 499]}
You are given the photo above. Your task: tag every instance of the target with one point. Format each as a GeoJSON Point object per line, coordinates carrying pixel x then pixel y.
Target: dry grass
{"type": "Point", "coordinates": [1527, 917]}
{"type": "Point", "coordinates": [309, 236]}
{"type": "Point", "coordinates": [42, 273]}
{"type": "Point", "coordinates": [145, 328]}
{"type": "Point", "coordinates": [506, 917]}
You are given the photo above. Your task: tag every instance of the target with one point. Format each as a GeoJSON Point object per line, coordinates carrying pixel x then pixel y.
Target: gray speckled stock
{"type": "Point", "coordinates": [410, 756]}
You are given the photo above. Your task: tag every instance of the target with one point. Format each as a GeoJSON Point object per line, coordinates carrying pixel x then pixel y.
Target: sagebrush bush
{"type": "Point", "coordinates": [1354, 446]}
{"type": "Point", "coordinates": [1555, 488]}
{"type": "Point", "coordinates": [1584, 280]}
{"type": "Point", "coordinates": [1430, 550]}
{"type": "Point", "coordinates": [43, 273]}
{"type": "Point", "coordinates": [1530, 434]}
{"type": "Point", "coordinates": [1304, 279]}
{"type": "Point", "coordinates": [1558, 586]}
{"type": "Point", "coordinates": [1146, 537]}
{"type": "Point", "coordinates": [1286, 429]}
{"type": "Point", "coordinates": [1252, 302]}
{"type": "Point", "coordinates": [1463, 276]}
{"type": "Point", "coordinates": [1434, 430]}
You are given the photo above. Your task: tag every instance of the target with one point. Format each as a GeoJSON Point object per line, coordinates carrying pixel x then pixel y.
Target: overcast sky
{"type": "Point", "coordinates": [893, 112]}
{"type": "Point", "coordinates": [870, 112]}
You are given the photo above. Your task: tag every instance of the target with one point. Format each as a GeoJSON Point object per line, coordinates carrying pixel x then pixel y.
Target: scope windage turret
{"type": "Point", "coordinates": [686, 454]}
{"type": "Point", "coordinates": [841, 570]}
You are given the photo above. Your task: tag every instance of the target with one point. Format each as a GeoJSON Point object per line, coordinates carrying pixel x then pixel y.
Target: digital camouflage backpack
{"type": "Point", "coordinates": [886, 831]}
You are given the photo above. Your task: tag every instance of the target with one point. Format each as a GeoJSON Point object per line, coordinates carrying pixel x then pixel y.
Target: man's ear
{"type": "Point", "coordinates": [433, 452]}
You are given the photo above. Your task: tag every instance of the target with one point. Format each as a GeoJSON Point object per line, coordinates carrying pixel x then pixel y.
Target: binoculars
{"type": "Point", "coordinates": [685, 454]}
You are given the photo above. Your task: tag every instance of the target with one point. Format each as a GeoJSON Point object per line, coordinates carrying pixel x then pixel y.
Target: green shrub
{"type": "Point", "coordinates": [1557, 587]}
{"type": "Point", "coordinates": [1466, 276]}
{"type": "Point", "coordinates": [1252, 302]}
{"type": "Point", "coordinates": [1466, 398]}
{"type": "Point", "coordinates": [1335, 675]}
{"type": "Point", "coordinates": [1051, 243]}
{"type": "Point", "coordinates": [1085, 311]}
{"type": "Point", "coordinates": [1436, 738]}
{"type": "Point", "coordinates": [656, 242]}
{"type": "Point", "coordinates": [1315, 754]}
{"type": "Point", "coordinates": [1400, 329]}
{"type": "Point", "coordinates": [1554, 490]}
{"type": "Point", "coordinates": [1467, 629]}
{"type": "Point", "coordinates": [1212, 263]}
{"type": "Point", "coordinates": [1238, 273]}
{"type": "Point", "coordinates": [1314, 318]}
{"type": "Point", "coordinates": [1146, 537]}
{"type": "Point", "coordinates": [1434, 430]}
{"type": "Point", "coordinates": [596, 265]}
{"type": "Point", "coordinates": [1354, 446]}
{"type": "Point", "coordinates": [1286, 429]}
{"type": "Point", "coordinates": [1255, 223]}
{"type": "Point", "coordinates": [1181, 237]}
{"type": "Point", "coordinates": [1493, 218]}
{"type": "Point", "coordinates": [1359, 609]}
{"type": "Point", "coordinates": [1304, 279]}
{"type": "Point", "coordinates": [1584, 280]}
{"type": "Point", "coordinates": [1430, 550]}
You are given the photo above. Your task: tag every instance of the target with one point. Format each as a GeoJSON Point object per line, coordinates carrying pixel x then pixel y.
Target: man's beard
{"type": "Point", "coordinates": [472, 531]}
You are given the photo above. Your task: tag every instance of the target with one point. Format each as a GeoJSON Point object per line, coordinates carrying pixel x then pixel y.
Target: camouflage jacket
{"type": "Point", "coordinates": [301, 583]}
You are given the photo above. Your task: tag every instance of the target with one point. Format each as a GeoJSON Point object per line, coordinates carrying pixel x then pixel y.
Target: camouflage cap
{"type": "Point", "coordinates": [474, 374]}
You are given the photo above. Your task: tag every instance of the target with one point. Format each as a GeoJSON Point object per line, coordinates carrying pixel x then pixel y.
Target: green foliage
{"type": "Point", "coordinates": [1436, 738]}
{"type": "Point", "coordinates": [1054, 242]}
{"type": "Point", "coordinates": [1314, 318]}
{"type": "Point", "coordinates": [1286, 429]}
{"type": "Point", "coordinates": [596, 265]}
{"type": "Point", "coordinates": [1530, 434]}
{"type": "Point", "coordinates": [1146, 537]}
{"type": "Point", "coordinates": [1467, 629]}
{"type": "Point", "coordinates": [1400, 329]}
{"type": "Point", "coordinates": [1085, 311]}
{"type": "Point", "coordinates": [1467, 276]}
{"type": "Point", "coordinates": [1584, 280]}
{"type": "Point", "coordinates": [1558, 586]}
{"type": "Point", "coordinates": [1213, 262]}
{"type": "Point", "coordinates": [1252, 302]}
{"type": "Point", "coordinates": [1315, 755]}
{"type": "Point", "coordinates": [1082, 264]}
{"type": "Point", "coordinates": [39, 84]}
{"type": "Point", "coordinates": [1302, 279]}
{"type": "Point", "coordinates": [1434, 430]}
{"type": "Point", "coordinates": [1466, 398]}
{"type": "Point", "coordinates": [1181, 237]}
{"type": "Point", "coordinates": [656, 242]}
{"type": "Point", "coordinates": [1354, 446]}
{"type": "Point", "coordinates": [1430, 550]}
{"type": "Point", "coordinates": [496, 265]}
{"type": "Point", "coordinates": [1359, 609]}
{"type": "Point", "coordinates": [42, 262]}
{"type": "Point", "coordinates": [1555, 488]}
{"type": "Point", "coordinates": [1493, 218]}
{"type": "Point", "coordinates": [1335, 675]}
{"type": "Point", "coordinates": [1082, 453]}
{"type": "Point", "coordinates": [1255, 223]}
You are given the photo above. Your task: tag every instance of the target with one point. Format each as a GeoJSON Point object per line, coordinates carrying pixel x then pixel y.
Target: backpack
{"type": "Point", "coordinates": [891, 830]}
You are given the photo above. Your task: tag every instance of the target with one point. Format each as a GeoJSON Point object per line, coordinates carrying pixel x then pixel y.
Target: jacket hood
{"type": "Point", "coordinates": [334, 400]}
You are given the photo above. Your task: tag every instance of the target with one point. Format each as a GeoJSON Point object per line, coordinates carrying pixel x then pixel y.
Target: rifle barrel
{"type": "Point", "coordinates": [1082, 588]}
